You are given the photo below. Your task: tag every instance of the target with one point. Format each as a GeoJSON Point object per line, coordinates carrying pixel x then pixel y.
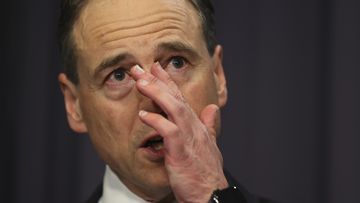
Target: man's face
{"type": "Point", "coordinates": [111, 36]}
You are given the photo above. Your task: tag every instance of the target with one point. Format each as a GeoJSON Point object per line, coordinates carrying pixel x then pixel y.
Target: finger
{"type": "Point", "coordinates": [158, 122]}
{"type": "Point", "coordinates": [173, 144]}
{"type": "Point", "coordinates": [208, 117]}
{"type": "Point", "coordinates": [151, 86]}
{"type": "Point", "coordinates": [168, 100]}
{"type": "Point", "coordinates": [161, 78]}
{"type": "Point", "coordinates": [160, 73]}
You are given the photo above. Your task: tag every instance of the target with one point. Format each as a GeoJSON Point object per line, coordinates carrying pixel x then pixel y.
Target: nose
{"type": "Point", "coordinates": [145, 103]}
{"type": "Point", "coordinates": [149, 105]}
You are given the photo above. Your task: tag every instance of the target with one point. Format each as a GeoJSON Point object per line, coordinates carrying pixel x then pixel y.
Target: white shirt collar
{"type": "Point", "coordinates": [115, 191]}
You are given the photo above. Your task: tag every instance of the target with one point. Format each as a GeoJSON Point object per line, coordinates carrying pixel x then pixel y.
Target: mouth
{"type": "Point", "coordinates": [154, 143]}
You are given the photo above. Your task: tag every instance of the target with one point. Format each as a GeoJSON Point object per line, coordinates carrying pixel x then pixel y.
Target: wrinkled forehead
{"type": "Point", "coordinates": [130, 7]}
{"type": "Point", "coordinates": [99, 17]}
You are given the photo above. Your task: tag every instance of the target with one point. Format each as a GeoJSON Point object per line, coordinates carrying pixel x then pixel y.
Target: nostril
{"type": "Point", "coordinates": [159, 110]}
{"type": "Point", "coordinates": [164, 114]}
{"type": "Point", "coordinates": [154, 108]}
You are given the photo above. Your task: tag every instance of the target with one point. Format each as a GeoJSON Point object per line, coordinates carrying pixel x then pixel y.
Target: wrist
{"type": "Point", "coordinates": [223, 184]}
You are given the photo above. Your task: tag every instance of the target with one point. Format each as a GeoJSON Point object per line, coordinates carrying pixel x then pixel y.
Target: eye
{"type": "Point", "coordinates": [119, 74]}
{"type": "Point", "coordinates": [177, 62]}
{"type": "Point", "coordinates": [118, 84]}
{"type": "Point", "coordinates": [117, 77]}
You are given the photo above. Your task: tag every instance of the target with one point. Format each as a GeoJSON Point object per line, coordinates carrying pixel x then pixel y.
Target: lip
{"type": "Point", "coordinates": [148, 152]}
{"type": "Point", "coordinates": [150, 136]}
{"type": "Point", "coordinates": [152, 155]}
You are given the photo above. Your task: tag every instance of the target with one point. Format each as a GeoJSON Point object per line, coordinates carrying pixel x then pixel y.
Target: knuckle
{"type": "Point", "coordinates": [168, 80]}
{"type": "Point", "coordinates": [180, 110]}
{"type": "Point", "coordinates": [174, 131]}
{"type": "Point", "coordinates": [178, 96]}
{"type": "Point", "coordinates": [153, 80]}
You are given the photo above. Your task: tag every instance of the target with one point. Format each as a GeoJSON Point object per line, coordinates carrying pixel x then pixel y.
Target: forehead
{"type": "Point", "coordinates": [110, 23]}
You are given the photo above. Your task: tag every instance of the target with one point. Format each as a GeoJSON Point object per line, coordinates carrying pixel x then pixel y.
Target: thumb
{"type": "Point", "coordinates": [208, 117]}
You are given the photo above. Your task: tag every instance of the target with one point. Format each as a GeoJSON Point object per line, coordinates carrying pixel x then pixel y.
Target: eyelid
{"type": "Point", "coordinates": [126, 70]}
{"type": "Point", "coordinates": [168, 59]}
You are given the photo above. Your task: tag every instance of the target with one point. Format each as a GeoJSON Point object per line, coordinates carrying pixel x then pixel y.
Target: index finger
{"type": "Point", "coordinates": [168, 99]}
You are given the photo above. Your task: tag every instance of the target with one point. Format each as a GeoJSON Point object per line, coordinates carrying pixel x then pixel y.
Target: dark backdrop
{"type": "Point", "coordinates": [291, 130]}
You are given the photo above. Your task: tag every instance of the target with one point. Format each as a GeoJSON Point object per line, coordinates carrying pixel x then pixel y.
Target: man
{"type": "Point", "coordinates": [145, 80]}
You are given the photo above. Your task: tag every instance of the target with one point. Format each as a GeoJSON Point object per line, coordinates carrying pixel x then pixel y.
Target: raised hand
{"type": "Point", "coordinates": [192, 158]}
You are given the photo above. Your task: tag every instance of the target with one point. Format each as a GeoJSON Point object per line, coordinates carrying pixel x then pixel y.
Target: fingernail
{"type": "Point", "coordinates": [143, 82]}
{"type": "Point", "coordinates": [142, 113]}
{"type": "Point", "coordinates": [138, 70]}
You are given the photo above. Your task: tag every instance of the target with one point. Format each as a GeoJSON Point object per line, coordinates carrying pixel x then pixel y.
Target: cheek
{"type": "Point", "coordinates": [200, 91]}
{"type": "Point", "coordinates": [106, 113]}
{"type": "Point", "coordinates": [110, 124]}
{"type": "Point", "coordinates": [117, 91]}
{"type": "Point", "coordinates": [107, 117]}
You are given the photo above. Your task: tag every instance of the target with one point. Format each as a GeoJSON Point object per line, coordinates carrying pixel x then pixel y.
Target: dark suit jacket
{"type": "Point", "coordinates": [245, 195]}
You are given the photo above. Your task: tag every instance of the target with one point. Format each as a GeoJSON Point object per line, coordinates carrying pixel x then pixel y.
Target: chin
{"type": "Point", "coordinates": [157, 183]}
{"type": "Point", "coordinates": [157, 177]}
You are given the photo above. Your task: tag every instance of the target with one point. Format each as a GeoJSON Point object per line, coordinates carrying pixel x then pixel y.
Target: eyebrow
{"type": "Point", "coordinates": [174, 46]}
{"type": "Point", "coordinates": [112, 61]}
{"type": "Point", "coordinates": [177, 46]}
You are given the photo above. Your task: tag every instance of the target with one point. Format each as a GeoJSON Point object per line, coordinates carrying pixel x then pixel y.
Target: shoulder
{"type": "Point", "coordinates": [244, 194]}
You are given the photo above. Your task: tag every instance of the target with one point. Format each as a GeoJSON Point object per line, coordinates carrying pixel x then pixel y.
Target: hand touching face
{"type": "Point", "coordinates": [192, 159]}
{"type": "Point", "coordinates": [111, 38]}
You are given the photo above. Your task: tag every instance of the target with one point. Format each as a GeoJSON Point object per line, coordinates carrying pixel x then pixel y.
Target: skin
{"type": "Point", "coordinates": [181, 103]}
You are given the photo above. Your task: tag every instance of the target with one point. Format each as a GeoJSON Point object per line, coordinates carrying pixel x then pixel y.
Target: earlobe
{"type": "Point", "coordinates": [220, 76]}
{"type": "Point", "coordinates": [72, 106]}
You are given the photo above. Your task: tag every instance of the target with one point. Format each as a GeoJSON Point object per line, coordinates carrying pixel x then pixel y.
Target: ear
{"type": "Point", "coordinates": [220, 76]}
{"type": "Point", "coordinates": [73, 111]}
